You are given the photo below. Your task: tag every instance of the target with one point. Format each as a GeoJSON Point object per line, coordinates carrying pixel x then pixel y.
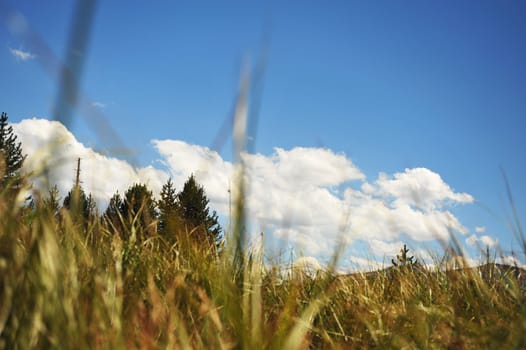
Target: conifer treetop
{"type": "Point", "coordinates": [11, 156]}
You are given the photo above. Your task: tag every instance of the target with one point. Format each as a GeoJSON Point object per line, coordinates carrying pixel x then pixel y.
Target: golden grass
{"type": "Point", "coordinates": [81, 286]}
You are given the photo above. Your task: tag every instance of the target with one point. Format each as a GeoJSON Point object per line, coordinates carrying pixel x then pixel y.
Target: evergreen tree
{"type": "Point", "coordinates": [139, 206]}
{"type": "Point", "coordinates": [91, 207]}
{"type": "Point", "coordinates": [113, 214]}
{"type": "Point", "coordinates": [195, 213]}
{"type": "Point", "coordinates": [11, 157]}
{"type": "Point", "coordinates": [81, 207]}
{"type": "Point", "coordinates": [403, 259]}
{"type": "Point", "coordinates": [76, 200]}
{"type": "Point", "coordinates": [169, 218]}
{"type": "Point", "coordinates": [52, 201]}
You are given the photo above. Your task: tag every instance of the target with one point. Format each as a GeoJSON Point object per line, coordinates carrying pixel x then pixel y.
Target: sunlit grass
{"type": "Point", "coordinates": [70, 285]}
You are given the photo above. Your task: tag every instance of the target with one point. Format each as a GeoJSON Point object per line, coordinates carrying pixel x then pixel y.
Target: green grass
{"type": "Point", "coordinates": [81, 286]}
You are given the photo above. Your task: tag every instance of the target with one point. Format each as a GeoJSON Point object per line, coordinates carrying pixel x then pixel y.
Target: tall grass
{"type": "Point", "coordinates": [82, 286]}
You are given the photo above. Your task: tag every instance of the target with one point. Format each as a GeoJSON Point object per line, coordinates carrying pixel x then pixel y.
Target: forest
{"type": "Point", "coordinates": [162, 273]}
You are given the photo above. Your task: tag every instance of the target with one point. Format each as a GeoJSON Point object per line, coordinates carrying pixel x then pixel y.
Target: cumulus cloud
{"type": "Point", "coordinates": [307, 264]}
{"type": "Point", "coordinates": [209, 169]}
{"type": "Point", "coordinates": [51, 146]}
{"type": "Point", "coordinates": [313, 198]}
{"type": "Point", "coordinates": [472, 240]}
{"type": "Point", "coordinates": [300, 167]}
{"type": "Point", "coordinates": [480, 229]}
{"type": "Point", "coordinates": [419, 187]}
{"type": "Point", "coordinates": [413, 203]}
{"type": "Point", "coordinates": [360, 264]}
{"type": "Point", "coordinates": [488, 241]}
{"type": "Point", "coordinates": [510, 260]}
{"type": "Point", "coordinates": [289, 192]}
{"type": "Point", "coordinates": [292, 195]}
{"type": "Point", "coordinates": [482, 241]}
{"type": "Point", "coordinates": [382, 248]}
{"type": "Point", "coordinates": [22, 55]}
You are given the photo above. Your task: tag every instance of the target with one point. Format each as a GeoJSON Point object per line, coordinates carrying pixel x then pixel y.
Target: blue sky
{"type": "Point", "coordinates": [392, 85]}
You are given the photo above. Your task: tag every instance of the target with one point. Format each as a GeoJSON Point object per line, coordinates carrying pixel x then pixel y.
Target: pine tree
{"type": "Point", "coordinates": [113, 214]}
{"type": "Point", "coordinates": [139, 206]}
{"type": "Point", "coordinates": [52, 201]}
{"type": "Point", "coordinates": [76, 200]}
{"type": "Point", "coordinates": [169, 217]}
{"type": "Point", "coordinates": [403, 259]}
{"type": "Point", "coordinates": [194, 211]}
{"type": "Point", "coordinates": [11, 157]}
{"type": "Point", "coordinates": [81, 207]}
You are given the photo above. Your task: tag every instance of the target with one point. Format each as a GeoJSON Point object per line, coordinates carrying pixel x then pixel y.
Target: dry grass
{"type": "Point", "coordinates": [65, 285]}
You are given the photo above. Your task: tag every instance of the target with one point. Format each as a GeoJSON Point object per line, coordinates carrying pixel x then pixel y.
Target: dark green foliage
{"type": "Point", "coordinates": [196, 214]}
{"type": "Point", "coordinates": [169, 217]}
{"type": "Point", "coordinates": [11, 157]}
{"type": "Point", "coordinates": [81, 207]}
{"type": "Point", "coordinates": [135, 211]}
{"type": "Point", "coordinates": [91, 207]}
{"type": "Point", "coordinates": [136, 205]}
{"type": "Point", "coordinates": [113, 214]}
{"type": "Point", "coordinates": [138, 199]}
{"type": "Point", "coordinates": [114, 207]}
{"type": "Point", "coordinates": [52, 202]}
{"type": "Point", "coordinates": [403, 259]}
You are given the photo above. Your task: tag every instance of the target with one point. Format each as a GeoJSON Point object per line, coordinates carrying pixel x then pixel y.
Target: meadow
{"type": "Point", "coordinates": [70, 283]}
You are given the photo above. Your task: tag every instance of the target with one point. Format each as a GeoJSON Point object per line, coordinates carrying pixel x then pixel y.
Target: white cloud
{"type": "Point", "coordinates": [426, 257]}
{"type": "Point", "coordinates": [359, 264]}
{"type": "Point", "coordinates": [488, 241]}
{"type": "Point", "coordinates": [98, 104]}
{"type": "Point", "coordinates": [303, 195]}
{"type": "Point", "coordinates": [482, 241]}
{"type": "Point", "coordinates": [387, 249]}
{"type": "Point", "coordinates": [300, 167]}
{"type": "Point", "coordinates": [22, 55]}
{"type": "Point", "coordinates": [472, 240]}
{"type": "Point", "coordinates": [510, 260]}
{"type": "Point", "coordinates": [421, 188]}
{"type": "Point", "coordinates": [292, 189]}
{"type": "Point", "coordinates": [288, 194]}
{"type": "Point", "coordinates": [376, 214]}
{"type": "Point", "coordinates": [480, 229]}
{"type": "Point", "coordinates": [291, 195]}
{"type": "Point", "coordinates": [307, 264]}
{"type": "Point", "coordinates": [209, 168]}
{"type": "Point", "coordinates": [100, 175]}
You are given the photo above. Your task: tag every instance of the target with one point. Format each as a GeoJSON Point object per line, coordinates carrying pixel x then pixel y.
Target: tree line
{"type": "Point", "coordinates": [134, 215]}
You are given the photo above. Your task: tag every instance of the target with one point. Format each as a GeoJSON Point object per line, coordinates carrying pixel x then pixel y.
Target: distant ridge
{"type": "Point", "coordinates": [487, 272]}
